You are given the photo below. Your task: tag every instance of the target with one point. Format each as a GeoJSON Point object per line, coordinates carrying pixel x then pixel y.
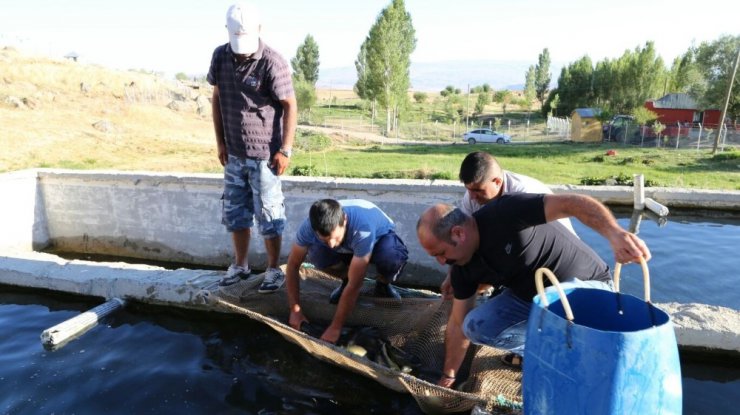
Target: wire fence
{"type": "Point", "coordinates": [554, 129]}
{"type": "Point", "coordinates": [433, 130]}
{"type": "Point", "coordinates": [679, 136]}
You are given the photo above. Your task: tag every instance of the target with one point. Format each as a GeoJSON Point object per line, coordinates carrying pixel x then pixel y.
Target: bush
{"type": "Point", "coordinates": [727, 155]}
{"type": "Point", "coordinates": [421, 174]}
{"type": "Point", "coordinates": [310, 141]}
{"type": "Point", "coordinates": [620, 180]}
{"type": "Point", "coordinates": [305, 171]}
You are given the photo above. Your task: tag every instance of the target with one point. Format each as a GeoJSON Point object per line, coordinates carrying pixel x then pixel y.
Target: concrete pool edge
{"type": "Point", "coordinates": [175, 217]}
{"type": "Point", "coordinates": [697, 326]}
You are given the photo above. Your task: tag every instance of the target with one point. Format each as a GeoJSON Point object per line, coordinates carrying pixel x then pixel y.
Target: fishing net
{"type": "Point", "coordinates": [413, 327]}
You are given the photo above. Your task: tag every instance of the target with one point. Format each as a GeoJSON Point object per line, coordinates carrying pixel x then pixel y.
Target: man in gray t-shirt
{"type": "Point", "coordinates": [484, 181]}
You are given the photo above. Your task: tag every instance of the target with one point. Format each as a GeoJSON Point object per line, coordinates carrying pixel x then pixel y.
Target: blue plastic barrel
{"type": "Point", "coordinates": [617, 356]}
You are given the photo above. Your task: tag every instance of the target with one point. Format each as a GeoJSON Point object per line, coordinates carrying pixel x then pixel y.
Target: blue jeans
{"type": "Point", "coordinates": [502, 321]}
{"type": "Point", "coordinates": [389, 256]}
{"type": "Point", "coordinates": [252, 189]}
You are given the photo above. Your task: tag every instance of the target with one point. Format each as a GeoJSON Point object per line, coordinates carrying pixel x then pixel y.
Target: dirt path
{"type": "Point", "coordinates": [348, 135]}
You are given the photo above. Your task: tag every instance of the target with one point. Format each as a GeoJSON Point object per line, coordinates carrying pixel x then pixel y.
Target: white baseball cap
{"type": "Point", "coordinates": [243, 24]}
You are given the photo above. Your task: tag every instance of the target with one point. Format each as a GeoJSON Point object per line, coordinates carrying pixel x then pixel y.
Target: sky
{"type": "Point", "coordinates": [179, 36]}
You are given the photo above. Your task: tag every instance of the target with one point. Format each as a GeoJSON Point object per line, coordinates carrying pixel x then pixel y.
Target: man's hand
{"type": "Point", "coordinates": [223, 156]}
{"type": "Point", "coordinates": [280, 163]}
{"type": "Point", "coordinates": [296, 319]}
{"type": "Point", "coordinates": [446, 288]}
{"type": "Point", "coordinates": [331, 335]}
{"type": "Point", "coordinates": [628, 247]}
{"type": "Point", "coordinates": [446, 381]}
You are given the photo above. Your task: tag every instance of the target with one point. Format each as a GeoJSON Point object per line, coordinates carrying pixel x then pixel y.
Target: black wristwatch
{"type": "Point", "coordinates": [286, 152]}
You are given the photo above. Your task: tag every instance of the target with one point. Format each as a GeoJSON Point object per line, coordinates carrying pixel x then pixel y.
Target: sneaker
{"type": "Point", "coordinates": [386, 291]}
{"type": "Point", "coordinates": [337, 293]}
{"type": "Point", "coordinates": [234, 274]}
{"type": "Point", "coordinates": [274, 279]}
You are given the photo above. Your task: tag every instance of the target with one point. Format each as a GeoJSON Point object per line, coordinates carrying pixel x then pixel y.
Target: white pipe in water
{"type": "Point", "coordinates": [79, 324]}
{"type": "Point", "coordinates": [656, 207]}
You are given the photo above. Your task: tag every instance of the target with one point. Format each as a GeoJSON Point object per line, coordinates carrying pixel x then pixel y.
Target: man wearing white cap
{"type": "Point", "coordinates": [254, 116]}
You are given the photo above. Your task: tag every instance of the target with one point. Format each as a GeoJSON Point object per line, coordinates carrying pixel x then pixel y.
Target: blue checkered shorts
{"type": "Point", "coordinates": [252, 189]}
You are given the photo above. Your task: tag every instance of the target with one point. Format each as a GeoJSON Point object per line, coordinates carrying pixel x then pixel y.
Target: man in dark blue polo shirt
{"type": "Point", "coordinates": [254, 117]}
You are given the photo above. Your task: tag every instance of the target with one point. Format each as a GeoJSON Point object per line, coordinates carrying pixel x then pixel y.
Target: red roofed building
{"type": "Point", "coordinates": [681, 108]}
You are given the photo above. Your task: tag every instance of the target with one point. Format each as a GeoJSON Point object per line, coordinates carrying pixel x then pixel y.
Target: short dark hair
{"type": "Point", "coordinates": [325, 215]}
{"type": "Point", "coordinates": [479, 166]}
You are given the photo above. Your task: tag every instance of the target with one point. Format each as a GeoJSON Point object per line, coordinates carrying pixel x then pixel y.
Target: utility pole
{"type": "Point", "coordinates": [727, 103]}
{"type": "Point", "coordinates": [467, 109]}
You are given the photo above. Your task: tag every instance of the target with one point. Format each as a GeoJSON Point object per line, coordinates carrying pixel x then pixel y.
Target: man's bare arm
{"type": "Point", "coordinates": [627, 246]}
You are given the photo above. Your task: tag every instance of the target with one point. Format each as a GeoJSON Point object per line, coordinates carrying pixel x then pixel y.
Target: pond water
{"type": "Point", "coordinates": [154, 360]}
{"type": "Point", "coordinates": [160, 360]}
{"type": "Point", "coordinates": [695, 257]}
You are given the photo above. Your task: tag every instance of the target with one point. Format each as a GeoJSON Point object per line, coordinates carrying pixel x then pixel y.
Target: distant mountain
{"type": "Point", "coordinates": [435, 76]}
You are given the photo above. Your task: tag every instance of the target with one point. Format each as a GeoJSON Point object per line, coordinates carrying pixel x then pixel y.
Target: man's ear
{"type": "Point", "coordinates": [457, 234]}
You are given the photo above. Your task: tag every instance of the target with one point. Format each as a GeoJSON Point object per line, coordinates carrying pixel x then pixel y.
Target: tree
{"type": "Point", "coordinates": [420, 97]}
{"type": "Point", "coordinates": [449, 90]}
{"type": "Point", "coordinates": [644, 116]}
{"type": "Point", "coordinates": [305, 95]}
{"type": "Point", "coordinates": [542, 76]}
{"type": "Point", "coordinates": [551, 104]}
{"type": "Point", "coordinates": [575, 85]}
{"type": "Point", "coordinates": [504, 97]}
{"type": "Point", "coordinates": [306, 61]}
{"type": "Point", "coordinates": [626, 83]}
{"type": "Point", "coordinates": [480, 104]}
{"type": "Point", "coordinates": [362, 86]}
{"type": "Point", "coordinates": [530, 91]}
{"type": "Point", "coordinates": [684, 75]}
{"type": "Point", "coordinates": [715, 61]}
{"type": "Point", "coordinates": [181, 76]}
{"type": "Point", "coordinates": [386, 61]}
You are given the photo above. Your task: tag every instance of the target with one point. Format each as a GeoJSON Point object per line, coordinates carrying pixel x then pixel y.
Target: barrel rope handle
{"type": "Point", "coordinates": [541, 291]}
{"type": "Point", "coordinates": [645, 277]}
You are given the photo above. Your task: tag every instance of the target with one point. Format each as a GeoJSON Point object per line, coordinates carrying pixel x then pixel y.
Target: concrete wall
{"type": "Point", "coordinates": [176, 218]}
{"type": "Point", "coordinates": [22, 213]}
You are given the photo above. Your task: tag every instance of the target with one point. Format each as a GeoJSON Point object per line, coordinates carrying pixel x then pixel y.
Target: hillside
{"type": "Point", "coordinates": [67, 114]}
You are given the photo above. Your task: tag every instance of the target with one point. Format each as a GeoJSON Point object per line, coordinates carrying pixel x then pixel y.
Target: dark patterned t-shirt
{"type": "Point", "coordinates": [249, 95]}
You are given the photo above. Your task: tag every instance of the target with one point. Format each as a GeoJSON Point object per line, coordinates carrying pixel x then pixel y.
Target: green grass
{"type": "Point", "coordinates": [557, 163]}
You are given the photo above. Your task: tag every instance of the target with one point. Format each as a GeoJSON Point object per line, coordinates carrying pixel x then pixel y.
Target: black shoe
{"type": "Point", "coordinates": [386, 291]}
{"type": "Point", "coordinates": [337, 293]}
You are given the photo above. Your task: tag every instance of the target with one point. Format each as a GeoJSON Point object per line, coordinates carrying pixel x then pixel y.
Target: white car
{"type": "Point", "coordinates": [486, 135]}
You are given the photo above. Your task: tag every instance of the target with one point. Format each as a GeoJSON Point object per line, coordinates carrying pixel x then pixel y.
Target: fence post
{"type": "Point", "coordinates": [699, 139]}
{"type": "Point", "coordinates": [678, 134]}
{"type": "Point", "coordinates": [626, 127]}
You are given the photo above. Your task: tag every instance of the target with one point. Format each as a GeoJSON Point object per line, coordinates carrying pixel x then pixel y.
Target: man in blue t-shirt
{"type": "Point", "coordinates": [343, 238]}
